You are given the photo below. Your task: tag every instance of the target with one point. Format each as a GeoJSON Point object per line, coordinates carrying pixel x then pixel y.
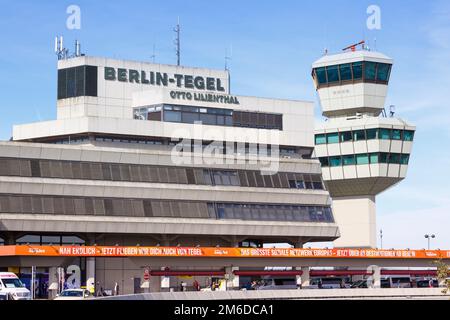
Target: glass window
{"type": "Point", "coordinates": [373, 158]}
{"type": "Point", "coordinates": [333, 137]}
{"type": "Point", "coordinates": [394, 158]}
{"type": "Point", "coordinates": [348, 160]}
{"type": "Point", "coordinates": [385, 134]}
{"type": "Point", "coordinates": [404, 159]}
{"type": "Point", "coordinates": [345, 71]}
{"type": "Point", "coordinates": [357, 70]}
{"type": "Point", "coordinates": [362, 158]}
{"type": "Point", "coordinates": [208, 119]}
{"type": "Point", "coordinates": [346, 136]}
{"type": "Point", "coordinates": [172, 116]}
{"type": "Point", "coordinates": [321, 139]}
{"type": "Point", "coordinates": [324, 161]}
{"type": "Point", "coordinates": [370, 70]}
{"type": "Point", "coordinates": [408, 135]}
{"type": "Point", "coordinates": [359, 135]}
{"type": "Point", "coordinates": [188, 117]}
{"type": "Point", "coordinates": [321, 75]}
{"type": "Point", "coordinates": [332, 74]}
{"type": "Point", "coordinates": [372, 134]}
{"type": "Point", "coordinates": [396, 134]}
{"type": "Point", "coordinates": [383, 157]}
{"type": "Point", "coordinates": [335, 161]}
{"type": "Point", "coordinates": [383, 72]}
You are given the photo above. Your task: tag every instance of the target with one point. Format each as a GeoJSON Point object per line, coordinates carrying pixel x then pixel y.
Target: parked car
{"type": "Point", "coordinates": [73, 294]}
{"type": "Point", "coordinates": [11, 285]}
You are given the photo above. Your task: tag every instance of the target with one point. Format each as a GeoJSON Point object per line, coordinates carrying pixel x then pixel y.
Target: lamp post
{"type": "Point", "coordinates": [429, 237]}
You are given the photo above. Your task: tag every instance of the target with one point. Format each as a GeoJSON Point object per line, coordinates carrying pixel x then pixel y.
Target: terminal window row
{"type": "Point", "coordinates": [365, 158]}
{"type": "Point", "coordinates": [245, 148]}
{"type": "Point", "coordinates": [363, 71]}
{"type": "Point", "coordinates": [35, 204]}
{"type": "Point", "coordinates": [209, 116]}
{"type": "Point", "coordinates": [156, 174]}
{"type": "Point", "coordinates": [363, 135]}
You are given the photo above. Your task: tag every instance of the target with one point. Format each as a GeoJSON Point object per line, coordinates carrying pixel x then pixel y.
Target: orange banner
{"type": "Point", "coordinates": [117, 251]}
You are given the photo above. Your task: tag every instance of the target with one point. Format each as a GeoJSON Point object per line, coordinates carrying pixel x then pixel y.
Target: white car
{"type": "Point", "coordinates": [12, 288]}
{"type": "Point", "coordinates": [73, 294]}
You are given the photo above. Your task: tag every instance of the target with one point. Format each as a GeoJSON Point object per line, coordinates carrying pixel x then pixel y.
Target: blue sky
{"type": "Point", "coordinates": [273, 45]}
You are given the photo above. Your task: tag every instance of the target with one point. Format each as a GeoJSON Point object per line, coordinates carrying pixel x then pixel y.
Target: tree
{"type": "Point", "coordinates": [443, 271]}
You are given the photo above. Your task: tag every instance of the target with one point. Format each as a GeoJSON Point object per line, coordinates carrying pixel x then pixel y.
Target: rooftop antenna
{"type": "Point", "coordinates": [375, 44]}
{"type": "Point", "coordinates": [153, 56]}
{"type": "Point", "coordinates": [77, 48]}
{"type": "Point", "coordinates": [228, 57]}
{"type": "Point", "coordinates": [60, 51]}
{"type": "Point", "coordinates": [353, 46]}
{"type": "Point", "coordinates": [177, 41]}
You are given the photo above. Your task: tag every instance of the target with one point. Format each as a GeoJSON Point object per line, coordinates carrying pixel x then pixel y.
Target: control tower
{"type": "Point", "coordinates": [363, 150]}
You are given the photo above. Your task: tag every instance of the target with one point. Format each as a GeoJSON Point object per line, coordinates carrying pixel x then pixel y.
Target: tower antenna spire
{"type": "Point", "coordinates": [228, 57]}
{"type": "Point", "coordinates": [177, 41]}
{"type": "Point", "coordinates": [153, 56]}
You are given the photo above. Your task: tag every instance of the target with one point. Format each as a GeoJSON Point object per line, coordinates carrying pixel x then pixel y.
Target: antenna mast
{"type": "Point", "coordinates": [228, 57]}
{"type": "Point", "coordinates": [153, 55]}
{"type": "Point", "coordinates": [177, 41]}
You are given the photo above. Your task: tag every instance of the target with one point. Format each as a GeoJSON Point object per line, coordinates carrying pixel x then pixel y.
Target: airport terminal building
{"type": "Point", "coordinates": [146, 154]}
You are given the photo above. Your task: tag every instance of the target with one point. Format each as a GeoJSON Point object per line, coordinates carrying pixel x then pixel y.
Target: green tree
{"type": "Point", "coordinates": [443, 271]}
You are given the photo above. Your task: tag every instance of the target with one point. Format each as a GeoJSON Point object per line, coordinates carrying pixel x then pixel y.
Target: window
{"type": "Point", "coordinates": [332, 74]}
{"type": "Point", "coordinates": [385, 134]}
{"type": "Point", "coordinates": [188, 117]}
{"type": "Point", "coordinates": [348, 160]}
{"type": "Point", "coordinates": [346, 136]}
{"type": "Point", "coordinates": [321, 75]}
{"type": "Point", "coordinates": [324, 161]}
{"type": "Point", "coordinates": [396, 134]}
{"type": "Point", "coordinates": [383, 72]}
{"type": "Point", "coordinates": [333, 137]}
{"type": "Point", "coordinates": [394, 158]}
{"type": "Point", "coordinates": [404, 159]}
{"type": "Point", "coordinates": [359, 135]}
{"type": "Point", "coordinates": [372, 134]}
{"type": "Point", "coordinates": [357, 70]}
{"type": "Point", "coordinates": [208, 119]}
{"type": "Point", "coordinates": [345, 72]}
{"type": "Point", "coordinates": [321, 139]}
{"type": "Point", "coordinates": [373, 157]}
{"type": "Point", "coordinates": [335, 161]}
{"type": "Point", "coordinates": [172, 116]}
{"type": "Point", "coordinates": [370, 70]}
{"type": "Point", "coordinates": [77, 81]}
{"type": "Point", "coordinates": [362, 159]}
{"type": "Point", "coordinates": [384, 157]}
{"type": "Point", "coordinates": [408, 135]}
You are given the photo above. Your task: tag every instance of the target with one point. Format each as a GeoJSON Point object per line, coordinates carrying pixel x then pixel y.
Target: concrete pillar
{"type": "Point", "coordinates": [303, 280]}
{"type": "Point", "coordinates": [356, 218]}
{"type": "Point", "coordinates": [231, 278]}
{"type": "Point", "coordinates": [52, 282]}
{"type": "Point", "coordinates": [164, 282]}
{"type": "Point", "coordinates": [374, 281]}
{"type": "Point", "coordinates": [90, 275]}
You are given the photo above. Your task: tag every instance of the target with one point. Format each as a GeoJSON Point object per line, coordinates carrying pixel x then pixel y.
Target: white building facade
{"type": "Point", "coordinates": [149, 154]}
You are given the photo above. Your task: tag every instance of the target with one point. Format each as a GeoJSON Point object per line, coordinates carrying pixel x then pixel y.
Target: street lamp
{"type": "Point", "coordinates": [428, 237]}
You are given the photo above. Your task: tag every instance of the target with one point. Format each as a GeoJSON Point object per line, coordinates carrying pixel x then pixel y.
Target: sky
{"type": "Point", "coordinates": [272, 45]}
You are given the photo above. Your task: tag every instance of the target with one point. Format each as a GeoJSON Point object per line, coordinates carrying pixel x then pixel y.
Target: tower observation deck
{"type": "Point", "coordinates": [362, 151]}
